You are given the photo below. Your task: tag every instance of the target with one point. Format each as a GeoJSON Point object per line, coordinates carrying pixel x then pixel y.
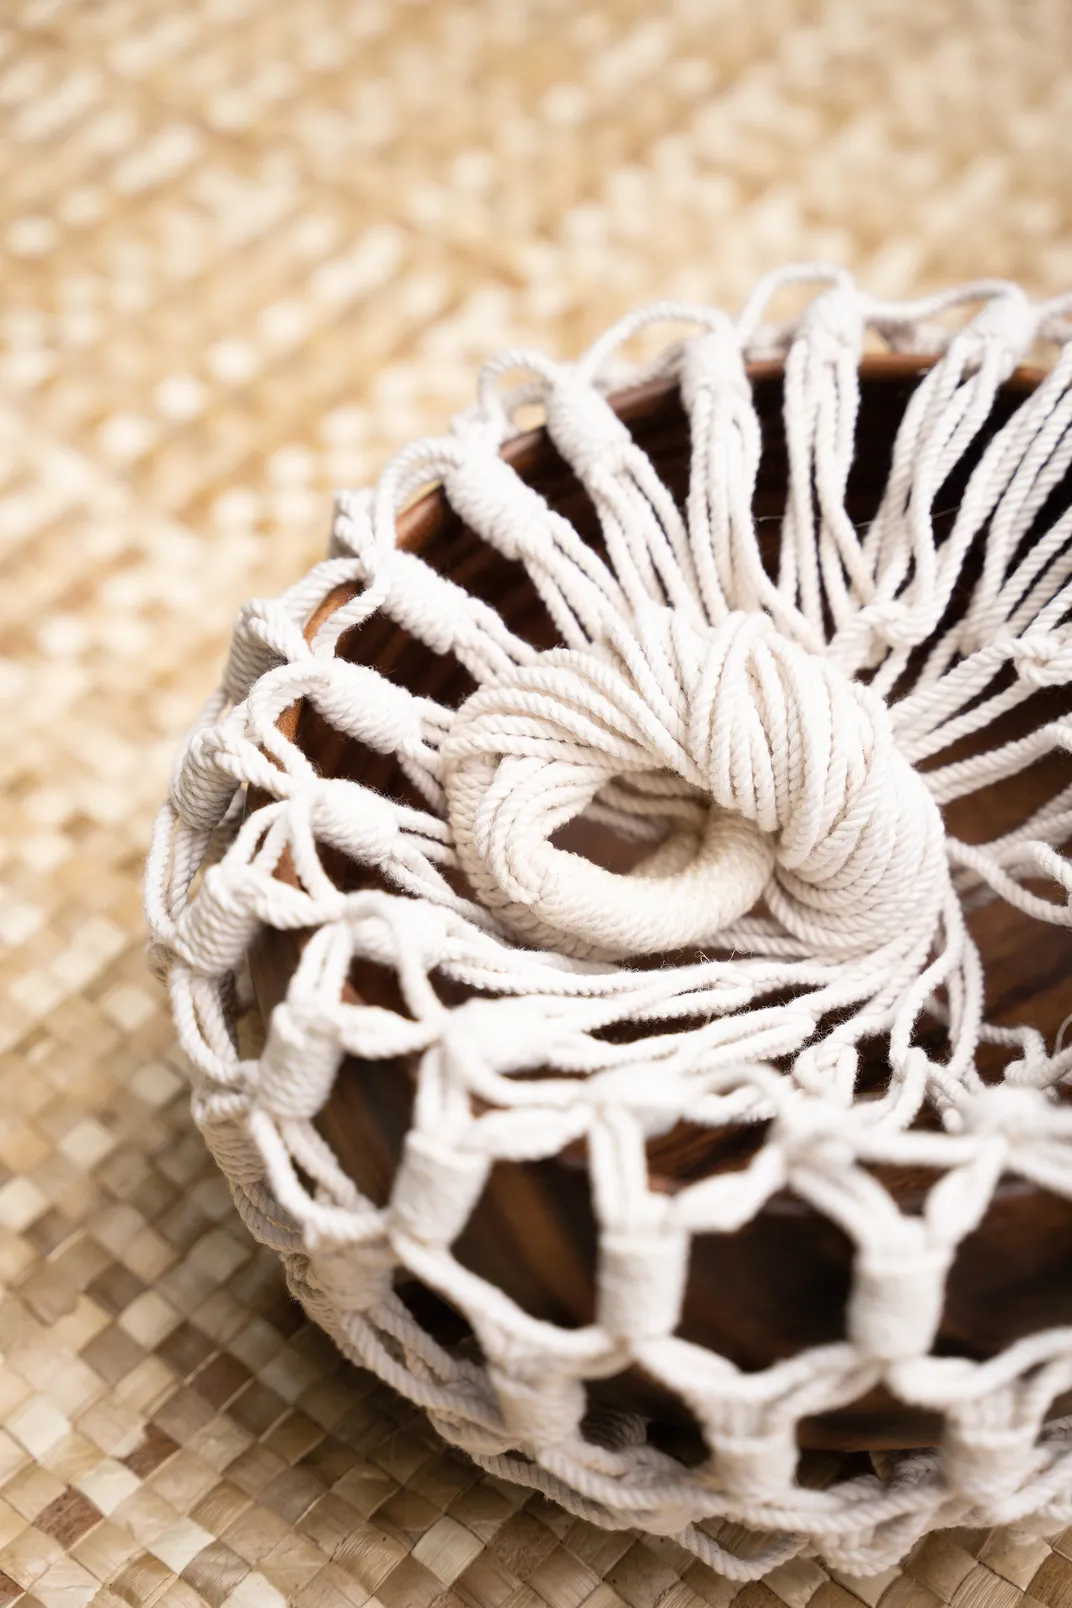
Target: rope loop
{"type": "Point", "coordinates": [793, 791]}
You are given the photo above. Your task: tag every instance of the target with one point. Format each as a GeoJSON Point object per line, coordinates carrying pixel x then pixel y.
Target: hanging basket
{"type": "Point", "coordinates": [645, 834]}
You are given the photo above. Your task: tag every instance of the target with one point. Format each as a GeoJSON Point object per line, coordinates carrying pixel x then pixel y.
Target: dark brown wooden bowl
{"type": "Point", "coordinates": [779, 1284]}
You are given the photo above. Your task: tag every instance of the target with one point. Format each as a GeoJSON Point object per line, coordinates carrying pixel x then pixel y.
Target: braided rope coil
{"type": "Point", "coordinates": [746, 730]}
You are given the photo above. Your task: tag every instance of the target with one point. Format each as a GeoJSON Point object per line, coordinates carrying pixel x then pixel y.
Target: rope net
{"type": "Point", "coordinates": [776, 740]}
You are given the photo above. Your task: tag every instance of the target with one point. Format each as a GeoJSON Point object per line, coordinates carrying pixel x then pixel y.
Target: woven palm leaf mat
{"type": "Point", "coordinates": [249, 248]}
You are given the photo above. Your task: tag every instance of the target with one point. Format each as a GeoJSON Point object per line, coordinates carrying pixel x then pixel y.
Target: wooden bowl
{"type": "Point", "coordinates": [780, 1283]}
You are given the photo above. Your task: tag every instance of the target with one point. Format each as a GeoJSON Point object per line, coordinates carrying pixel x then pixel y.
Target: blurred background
{"type": "Point", "coordinates": [247, 249]}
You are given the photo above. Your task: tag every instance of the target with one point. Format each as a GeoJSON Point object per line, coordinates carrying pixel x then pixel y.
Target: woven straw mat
{"type": "Point", "coordinates": [248, 249]}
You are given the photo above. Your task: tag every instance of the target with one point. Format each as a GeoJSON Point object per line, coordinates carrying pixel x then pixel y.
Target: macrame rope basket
{"type": "Point", "coordinates": [642, 841]}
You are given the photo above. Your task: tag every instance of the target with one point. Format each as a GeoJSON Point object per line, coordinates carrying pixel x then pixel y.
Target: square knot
{"type": "Point", "coordinates": [435, 1189]}
{"type": "Point", "coordinates": [541, 1412]}
{"type": "Point", "coordinates": [353, 1277]}
{"type": "Point", "coordinates": [757, 1466]}
{"type": "Point", "coordinates": [300, 1058]}
{"type": "Point", "coordinates": [214, 933]}
{"type": "Point", "coordinates": [898, 1292]}
{"type": "Point", "coordinates": [989, 1463]}
{"type": "Point", "coordinates": [713, 363]}
{"type": "Point", "coordinates": [641, 1282]}
{"type": "Point", "coordinates": [585, 428]}
{"type": "Point", "coordinates": [208, 775]}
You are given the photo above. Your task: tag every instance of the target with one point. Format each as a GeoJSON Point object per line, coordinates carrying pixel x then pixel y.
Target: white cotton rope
{"type": "Point", "coordinates": [798, 762]}
{"type": "Point", "coordinates": [778, 745]}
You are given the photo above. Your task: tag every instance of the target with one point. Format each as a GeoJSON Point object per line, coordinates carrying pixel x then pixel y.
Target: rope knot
{"type": "Point", "coordinates": [584, 426]}
{"type": "Point", "coordinates": [1043, 658]}
{"type": "Point", "coordinates": [1006, 325]}
{"type": "Point", "coordinates": [713, 361]}
{"type": "Point", "coordinates": [754, 768]}
{"type": "Point", "coordinates": [832, 326]}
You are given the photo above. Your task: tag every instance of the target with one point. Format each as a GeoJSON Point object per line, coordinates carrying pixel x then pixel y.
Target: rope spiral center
{"type": "Point", "coordinates": [758, 771]}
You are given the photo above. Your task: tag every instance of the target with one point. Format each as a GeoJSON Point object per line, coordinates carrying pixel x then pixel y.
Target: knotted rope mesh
{"type": "Point", "coordinates": [756, 731]}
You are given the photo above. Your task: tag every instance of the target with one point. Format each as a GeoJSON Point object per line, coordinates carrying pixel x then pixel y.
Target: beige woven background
{"type": "Point", "coordinates": [248, 248]}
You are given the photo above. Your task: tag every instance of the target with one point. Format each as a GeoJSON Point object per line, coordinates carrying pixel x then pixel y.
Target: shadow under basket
{"type": "Point", "coordinates": [779, 1284]}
